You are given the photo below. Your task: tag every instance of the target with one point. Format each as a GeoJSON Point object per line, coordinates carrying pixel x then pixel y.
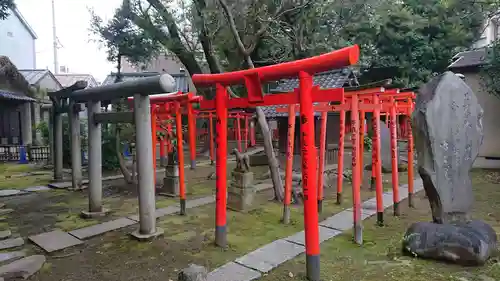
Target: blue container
{"type": "Point", "coordinates": [23, 157]}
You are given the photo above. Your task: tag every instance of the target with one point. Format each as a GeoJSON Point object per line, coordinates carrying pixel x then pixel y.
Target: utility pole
{"type": "Point", "coordinates": [54, 38]}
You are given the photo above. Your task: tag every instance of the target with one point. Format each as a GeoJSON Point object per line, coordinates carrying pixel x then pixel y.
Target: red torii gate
{"type": "Point", "coordinates": [358, 102]}
{"type": "Point", "coordinates": [172, 105]}
{"type": "Point", "coordinates": [209, 114]}
{"type": "Point", "coordinates": [305, 96]}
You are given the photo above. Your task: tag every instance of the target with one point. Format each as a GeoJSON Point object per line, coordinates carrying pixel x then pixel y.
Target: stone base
{"type": "Point", "coordinates": [147, 237]}
{"type": "Point", "coordinates": [258, 160]}
{"type": "Point", "coordinates": [170, 186]}
{"type": "Point", "coordinates": [465, 243]}
{"type": "Point", "coordinates": [89, 215]}
{"type": "Point", "coordinates": [241, 192]}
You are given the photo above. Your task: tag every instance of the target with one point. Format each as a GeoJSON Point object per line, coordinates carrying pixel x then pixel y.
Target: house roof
{"type": "Point", "coordinates": [181, 80]}
{"type": "Point", "coordinates": [325, 80]}
{"type": "Point", "coordinates": [11, 80]}
{"type": "Point", "coordinates": [34, 76]}
{"type": "Point", "coordinates": [24, 23]}
{"type": "Point", "coordinates": [6, 95]}
{"type": "Point", "coordinates": [471, 58]}
{"type": "Point", "coordinates": [67, 79]}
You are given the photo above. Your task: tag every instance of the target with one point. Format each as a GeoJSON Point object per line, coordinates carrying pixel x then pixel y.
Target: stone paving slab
{"type": "Point", "coordinates": [324, 234]}
{"type": "Point", "coordinates": [271, 255]}
{"type": "Point", "coordinates": [5, 211]}
{"type": "Point", "coordinates": [11, 192]}
{"type": "Point", "coordinates": [341, 221]}
{"type": "Point", "coordinates": [371, 205]}
{"type": "Point", "coordinates": [200, 202]}
{"type": "Point", "coordinates": [11, 256]}
{"type": "Point", "coordinates": [36, 188]}
{"type": "Point", "coordinates": [22, 268]}
{"type": "Point", "coordinates": [11, 243]}
{"type": "Point", "coordinates": [159, 213]}
{"type": "Point", "coordinates": [263, 186]}
{"type": "Point", "coordinates": [54, 240]}
{"type": "Point", "coordinates": [101, 228]}
{"type": "Point", "coordinates": [233, 272]}
{"type": "Point", "coordinates": [5, 234]}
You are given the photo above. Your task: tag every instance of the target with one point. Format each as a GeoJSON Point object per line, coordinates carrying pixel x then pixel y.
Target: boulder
{"type": "Point", "coordinates": [193, 273]}
{"type": "Point", "coordinates": [470, 243]}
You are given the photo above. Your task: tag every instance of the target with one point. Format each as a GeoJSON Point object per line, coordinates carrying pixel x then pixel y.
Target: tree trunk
{"type": "Point", "coordinates": [271, 157]}
{"type": "Point", "coordinates": [123, 165]}
{"type": "Point", "coordinates": [261, 117]}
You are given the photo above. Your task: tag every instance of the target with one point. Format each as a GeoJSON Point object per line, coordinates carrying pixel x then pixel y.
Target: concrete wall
{"type": "Point", "coordinates": [17, 43]}
{"type": "Point", "coordinates": [491, 125]}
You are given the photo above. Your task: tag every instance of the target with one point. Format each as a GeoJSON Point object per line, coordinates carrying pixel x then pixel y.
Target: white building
{"type": "Point", "coordinates": [17, 41]}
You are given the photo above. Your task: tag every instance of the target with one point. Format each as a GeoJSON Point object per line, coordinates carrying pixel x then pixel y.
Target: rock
{"type": "Point", "coordinates": [193, 273]}
{"type": "Point", "coordinates": [470, 243]}
{"type": "Point", "coordinates": [23, 268]}
{"type": "Point", "coordinates": [5, 234]}
{"type": "Point", "coordinates": [11, 243]}
{"type": "Point", "coordinates": [447, 125]}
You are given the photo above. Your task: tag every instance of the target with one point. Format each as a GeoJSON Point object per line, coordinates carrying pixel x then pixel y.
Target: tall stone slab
{"type": "Point", "coordinates": [448, 131]}
{"type": "Point", "coordinates": [385, 147]}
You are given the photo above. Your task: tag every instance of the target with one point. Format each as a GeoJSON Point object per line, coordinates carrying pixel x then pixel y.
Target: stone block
{"type": "Point", "coordinates": [171, 181]}
{"type": "Point", "coordinates": [242, 179]}
{"type": "Point", "coordinates": [241, 199]}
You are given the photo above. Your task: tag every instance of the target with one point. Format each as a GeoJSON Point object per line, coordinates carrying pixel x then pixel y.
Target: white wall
{"type": "Point", "coordinates": [490, 105]}
{"type": "Point", "coordinates": [17, 43]}
{"type": "Point", "coordinates": [490, 33]}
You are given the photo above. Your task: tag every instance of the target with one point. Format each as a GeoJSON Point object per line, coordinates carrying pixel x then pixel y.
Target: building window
{"type": "Point", "coordinates": [10, 34]}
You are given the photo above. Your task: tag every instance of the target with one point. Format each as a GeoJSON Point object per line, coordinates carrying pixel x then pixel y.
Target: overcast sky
{"type": "Point", "coordinates": [77, 52]}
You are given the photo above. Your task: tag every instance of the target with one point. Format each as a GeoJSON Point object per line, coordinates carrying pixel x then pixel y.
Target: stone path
{"type": "Point", "coordinates": [15, 264]}
{"type": "Point", "coordinates": [261, 261]}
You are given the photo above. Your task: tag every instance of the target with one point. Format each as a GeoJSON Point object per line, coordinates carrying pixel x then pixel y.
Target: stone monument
{"type": "Point", "coordinates": [385, 148]}
{"type": "Point", "coordinates": [448, 131]}
{"type": "Point", "coordinates": [241, 192]}
{"type": "Point", "coordinates": [171, 180]}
